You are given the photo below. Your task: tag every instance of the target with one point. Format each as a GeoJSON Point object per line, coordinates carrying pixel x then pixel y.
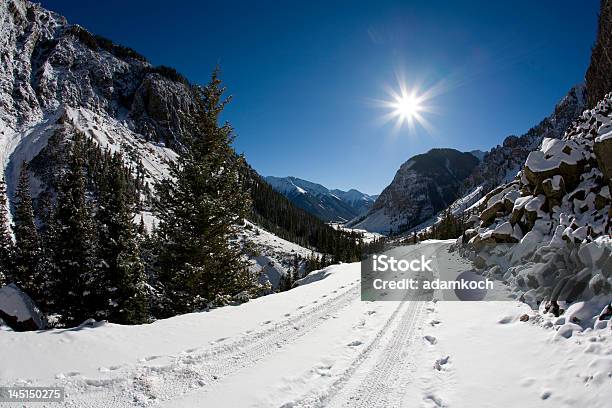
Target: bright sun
{"type": "Point", "coordinates": [407, 106]}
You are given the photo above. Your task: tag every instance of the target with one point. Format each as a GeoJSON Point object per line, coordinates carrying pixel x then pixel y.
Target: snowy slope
{"type": "Point", "coordinates": [342, 352]}
{"type": "Point", "coordinates": [273, 256]}
{"type": "Point", "coordinates": [57, 75]}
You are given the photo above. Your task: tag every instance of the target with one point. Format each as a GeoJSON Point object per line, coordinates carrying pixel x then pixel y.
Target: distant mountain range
{"type": "Point", "coordinates": [328, 205]}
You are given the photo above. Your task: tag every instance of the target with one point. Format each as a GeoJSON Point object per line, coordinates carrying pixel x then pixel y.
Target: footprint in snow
{"type": "Point", "coordinates": [370, 312]}
{"type": "Point", "coordinates": [435, 322]}
{"type": "Point", "coordinates": [545, 395]}
{"type": "Point", "coordinates": [441, 362]}
{"type": "Point", "coordinates": [355, 343]}
{"type": "Point", "coordinates": [287, 314]}
{"type": "Point", "coordinates": [266, 322]}
{"type": "Point", "coordinates": [430, 339]}
{"type": "Point", "coordinates": [323, 370]}
{"type": "Point", "coordinates": [437, 401]}
{"type": "Point", "coordinates": [527, 382]}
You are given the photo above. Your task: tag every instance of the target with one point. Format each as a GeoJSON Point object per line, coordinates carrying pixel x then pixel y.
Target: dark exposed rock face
{"type": "Point", "coordinates": [603, 154]}
{"type": "Point", "coordinates": [162, 108]}
{"type": "Point", "coordinates": [599, 74]}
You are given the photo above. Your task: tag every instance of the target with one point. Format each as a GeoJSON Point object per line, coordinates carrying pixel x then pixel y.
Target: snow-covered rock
{"type": "Point", "coordinates": [18, 311]}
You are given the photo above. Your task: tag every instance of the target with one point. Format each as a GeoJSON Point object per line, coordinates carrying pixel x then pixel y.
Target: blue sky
{"type": "Point", "coordinates": [303, 74]}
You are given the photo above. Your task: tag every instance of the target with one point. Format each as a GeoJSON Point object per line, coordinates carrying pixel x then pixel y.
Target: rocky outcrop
{"type": "Point", "coordinates": [561, 158]}
{"type": "Point", "coordinates": [598, 79]}
{"type": "Point", "coordinates": [558, 214]}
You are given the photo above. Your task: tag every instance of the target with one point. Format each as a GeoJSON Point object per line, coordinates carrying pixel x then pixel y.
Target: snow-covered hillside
{"type": "Point", "coordinates": [342, 352]}
{"type": "Point", "coordinates": [272, 256]}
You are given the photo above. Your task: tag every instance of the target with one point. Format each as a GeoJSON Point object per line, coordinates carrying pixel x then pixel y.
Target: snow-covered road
{"type": "Point", "coordinates": [319, 345]}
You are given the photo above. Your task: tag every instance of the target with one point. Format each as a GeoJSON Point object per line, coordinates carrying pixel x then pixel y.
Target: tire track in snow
{"type": "Point", "coordinates": [379, 388]}
{"type": "Point", "coordinates": [382, 386]}
{"type": "Point", "coordinates": [375, 389]}
{"type": "Point", "coordinates": [336, 395]}
{"type": "Point", "coordinates": [187, 372]}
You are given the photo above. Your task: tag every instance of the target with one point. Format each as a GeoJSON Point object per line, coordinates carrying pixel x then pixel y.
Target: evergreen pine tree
{"type": "Point", "coordinates": [142, 230]}
{"type": "Point", "coordinates": [78, 286]}
{"type": "Point", "coordinates": [7, 249]}
{"type": "Point", "coordinates": [48, 271]}
{"type": "Point", "coordinates": [122, 271]}
{"type": "Point", "coordinates": [28, 246]}
{"type": "Point", "coordinates": [199, 207]}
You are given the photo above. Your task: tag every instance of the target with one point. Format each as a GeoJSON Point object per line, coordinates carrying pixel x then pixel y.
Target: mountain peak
{"type": "Point", "coordinates": [423, 185]}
